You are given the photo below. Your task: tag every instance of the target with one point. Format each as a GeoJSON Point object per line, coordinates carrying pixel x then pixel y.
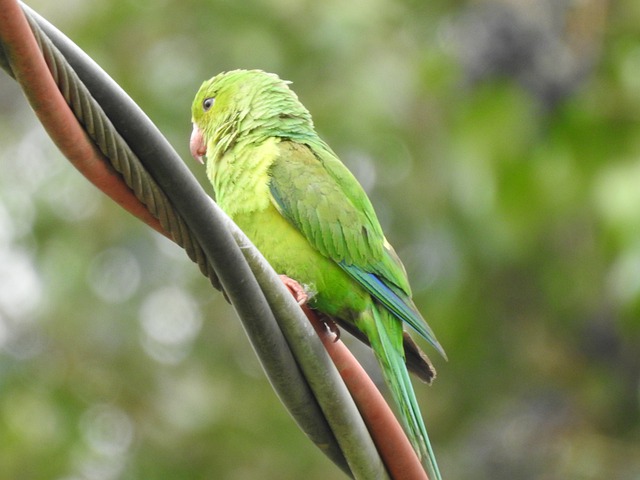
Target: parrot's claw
{"type": "Point", "coordinates": [330, 324]}
{"type": "Point", "coordinates": [296, 290]}
{"type": "Point", "coordinates": [333, 328]}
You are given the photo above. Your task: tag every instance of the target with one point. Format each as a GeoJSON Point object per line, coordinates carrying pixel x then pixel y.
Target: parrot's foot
{"type": "Point", "coordinates": [296, 290]}
{"type": "Point", "coordinates": [302, 297]}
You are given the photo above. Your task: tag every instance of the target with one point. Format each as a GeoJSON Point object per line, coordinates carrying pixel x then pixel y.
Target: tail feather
{"type": "Point", "coordinates": [386, 337]}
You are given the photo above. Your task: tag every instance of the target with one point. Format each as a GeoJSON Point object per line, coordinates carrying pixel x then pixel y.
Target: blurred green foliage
{"type": "Point", "coordinates": [500, 143]}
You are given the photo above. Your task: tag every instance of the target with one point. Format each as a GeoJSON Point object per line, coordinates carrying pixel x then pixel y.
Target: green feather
{"type": "Point", "coordinates": [312, 220]}
{"type": "Point", "coordinates": [385, 334]}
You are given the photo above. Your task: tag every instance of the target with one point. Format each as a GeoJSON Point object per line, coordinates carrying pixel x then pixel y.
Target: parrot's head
{"type": "Point", "coordinates": [242, 101]}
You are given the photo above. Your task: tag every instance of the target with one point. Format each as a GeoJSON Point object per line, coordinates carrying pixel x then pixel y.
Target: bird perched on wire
{"type": "Point", "coordinates": [310, 218]}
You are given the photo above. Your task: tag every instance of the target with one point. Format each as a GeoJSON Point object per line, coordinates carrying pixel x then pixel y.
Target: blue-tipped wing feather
{"type": "Point", "coordinates": [395, 301]}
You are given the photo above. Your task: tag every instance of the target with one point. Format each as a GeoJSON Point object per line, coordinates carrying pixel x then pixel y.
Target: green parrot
{"type": "Point", "coordinates": [310, 218]}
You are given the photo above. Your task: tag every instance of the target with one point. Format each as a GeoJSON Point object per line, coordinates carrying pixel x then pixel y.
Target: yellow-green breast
{"type": "Point", "coordinates": [247, 200]}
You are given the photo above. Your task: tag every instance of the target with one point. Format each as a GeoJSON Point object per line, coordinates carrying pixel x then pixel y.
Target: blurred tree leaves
{"type": "Point", "coordinates": [499, 143]}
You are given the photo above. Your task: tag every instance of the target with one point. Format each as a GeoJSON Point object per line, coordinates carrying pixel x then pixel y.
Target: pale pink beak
{"type": "Point", "coordinates": [197, 145]}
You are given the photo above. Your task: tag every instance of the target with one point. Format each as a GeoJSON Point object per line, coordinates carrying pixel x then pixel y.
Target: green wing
{"type": "Point", "coordinates": [314, 191]}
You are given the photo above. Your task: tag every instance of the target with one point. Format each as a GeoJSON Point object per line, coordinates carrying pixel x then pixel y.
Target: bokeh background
{"type": "Point", "coordinates": [500, 144]}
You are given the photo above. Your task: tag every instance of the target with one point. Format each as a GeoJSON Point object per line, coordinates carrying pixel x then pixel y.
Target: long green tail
{"type": "Point", "coordinates": [387, 344]}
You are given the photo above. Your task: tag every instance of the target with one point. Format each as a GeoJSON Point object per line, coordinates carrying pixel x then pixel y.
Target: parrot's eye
{"type": "Point", "coordinates": [208, 103]}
